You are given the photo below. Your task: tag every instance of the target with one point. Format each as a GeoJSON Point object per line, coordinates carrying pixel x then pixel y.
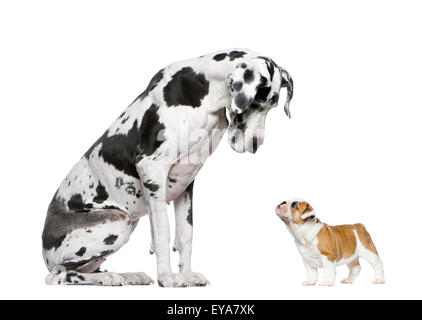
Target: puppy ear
{"type": "Point", "coordinates": [308, 212]}
{"type": "Point", "coordinates": [243, 83]}
{"type": "Point", "coordinates": [287, 82]}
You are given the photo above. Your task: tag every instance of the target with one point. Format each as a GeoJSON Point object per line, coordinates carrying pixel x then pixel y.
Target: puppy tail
{"type": "Point", "coordinates": [365, 238]}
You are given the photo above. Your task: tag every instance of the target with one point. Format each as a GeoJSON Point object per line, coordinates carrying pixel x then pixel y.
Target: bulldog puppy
{"type": "Point", "coordinates": [326, 247]}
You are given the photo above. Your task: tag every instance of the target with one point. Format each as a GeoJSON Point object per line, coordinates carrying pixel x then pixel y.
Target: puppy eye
{"type": "Point", "coordinates": [294, 205]}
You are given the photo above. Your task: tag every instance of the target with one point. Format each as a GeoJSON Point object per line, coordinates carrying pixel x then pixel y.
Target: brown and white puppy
{"type": "Point", "coordinates": [326, 247]}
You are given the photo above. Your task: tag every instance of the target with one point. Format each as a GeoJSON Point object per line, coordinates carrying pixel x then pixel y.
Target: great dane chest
{"type": "Point", "coordinates": [180, 176]}
{"type": "Point", "coordinates": [183, 172]}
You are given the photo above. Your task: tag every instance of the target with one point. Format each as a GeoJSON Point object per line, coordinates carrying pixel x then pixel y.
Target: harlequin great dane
{"type": "Point", "coordinates": [149, 157]}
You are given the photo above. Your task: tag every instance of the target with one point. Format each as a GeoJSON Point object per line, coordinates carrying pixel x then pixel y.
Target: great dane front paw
{"type": "Point", "coordinates": [175, 280]}
{"type": "Point", "coordinates": [195, 279]}
{"type": "Point", "coordinates": [108, 279]}
{"type": "Point", "coordinates": [137, 278]}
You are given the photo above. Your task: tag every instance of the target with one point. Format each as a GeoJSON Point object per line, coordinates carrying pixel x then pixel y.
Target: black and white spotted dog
{"type": "Point", "coordinates": [149, 157]}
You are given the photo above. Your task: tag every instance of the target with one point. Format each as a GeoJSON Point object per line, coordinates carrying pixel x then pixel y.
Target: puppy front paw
{"type": "Point", "coordinates": [309, 283]}
{"type": "Point", "coordinates": [327, 283]}
{"type": "Point", "coordinates": [347, 281]}
{"type": "Point", "coordinates": [378, 281]}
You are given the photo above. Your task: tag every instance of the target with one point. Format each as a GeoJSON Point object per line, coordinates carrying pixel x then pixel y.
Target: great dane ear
{"type": "Point", "coordinates": [244, 82]}
{"type": "Point", "coordinates": [287, 82]}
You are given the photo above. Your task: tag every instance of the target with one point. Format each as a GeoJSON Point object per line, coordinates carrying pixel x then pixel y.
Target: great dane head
{"type": "Point", "coordinates": [254, 87]}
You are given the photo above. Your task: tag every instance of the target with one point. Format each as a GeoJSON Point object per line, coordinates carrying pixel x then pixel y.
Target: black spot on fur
{"type": "Point", "coordinates": [91, 149]}
{"type": "Point", "coordinates": [271, 65]}
{"type": "Point", "coordinates": [242, 126]}
{"type": "Point", "coordinates": [274, 98]}
{"type": "Point", "coordinates": [121, 150]}
{"type": "Point", "coordinates": [220, 56]}
{"type": "Point", "coordinates": [189, 198]}
{"type": "Point", "coordinates": [152, 84]}
{"type": "Point", "coordinates": [236, 54]}
{"type": "Point", "coordinates": [69, 276]}
{"type": "Point", "coordinates": [81, 251]}
{"type": "Point", "coordinates": [238, 85]}
{"type": "Point", "coordinates": [151, 186]}
{"type": "Point", "coordinates": [111, 207]}
{"type": "Point", "coordinates": [75, 265]}
{"type": "Point", "coordinates": [130, 189]}
{"type": "Point", "coordinates": [75, 203]}
{"type": "Point", "coordinates": [241, 101]}
{"type": "Point", "coordinates": [248, 76]}
{"type": "Point", "coordinates": [102, 194]}
{"type": "Point", "coordinates": [186, 88]}
{"type": "Point", "coordinates": [172, 180]}
{"type": "Point", "coordinates": [54, 242]}
{"type": "Point", "coordinates": [254, 144]}
{"type": "Point", "coordinates": [262, 94]}
{"type": "Point", "coordinates": [150, 131]}
{"type": "Point", "coordinates": [125, 119]}
{"type": "Point", "coordinates": [110, 239]}
{"type": "Point", "coordinates": [232, 55]}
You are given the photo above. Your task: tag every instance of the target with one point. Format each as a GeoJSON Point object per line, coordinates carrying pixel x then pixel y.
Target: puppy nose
{"type": "Point", "coordinates": [282, 208]}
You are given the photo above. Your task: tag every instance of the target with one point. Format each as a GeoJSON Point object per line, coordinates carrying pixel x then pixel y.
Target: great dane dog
{"type": "Point", "coordinates": [149, 157]}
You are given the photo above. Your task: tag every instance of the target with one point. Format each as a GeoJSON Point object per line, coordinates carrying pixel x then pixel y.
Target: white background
{"type": "Point", "coordinates": [352, 147]}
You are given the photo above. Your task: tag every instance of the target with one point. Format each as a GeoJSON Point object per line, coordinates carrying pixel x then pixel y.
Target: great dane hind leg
{"type": "Point", "coordinates": [79, 249]}
{"type": "Point", "coordinates": [183, 208]}
{"type": "Point", "coordinates": [153, 174]}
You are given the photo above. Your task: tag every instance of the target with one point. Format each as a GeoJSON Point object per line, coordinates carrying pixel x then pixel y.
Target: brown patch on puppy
{"type": "Point", "coordinates": [337, 242]}
{"type": "Point", "coordinates": [302, 207]}
{"type": "Point", "coordinates": [365, 238]}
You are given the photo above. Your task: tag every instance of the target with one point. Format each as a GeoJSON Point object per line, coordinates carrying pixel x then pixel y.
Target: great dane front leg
{"type": "Point", "coordinates": [153, 175]}
{"type": "Point", "coordinates": [183, 207]}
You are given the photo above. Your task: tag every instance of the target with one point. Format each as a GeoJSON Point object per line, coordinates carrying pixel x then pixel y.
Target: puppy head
{"type": "Point", "coordinates": [295, 211]}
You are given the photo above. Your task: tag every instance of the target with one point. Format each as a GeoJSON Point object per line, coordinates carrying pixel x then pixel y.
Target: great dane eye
{"type": "Point", "coordinates": [294, 205]}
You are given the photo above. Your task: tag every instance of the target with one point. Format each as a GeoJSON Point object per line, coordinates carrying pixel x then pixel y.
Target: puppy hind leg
{"type": "Point", "coordinates": [354, 270]}
{"type": "Point", "coordinates": [376, 263]}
